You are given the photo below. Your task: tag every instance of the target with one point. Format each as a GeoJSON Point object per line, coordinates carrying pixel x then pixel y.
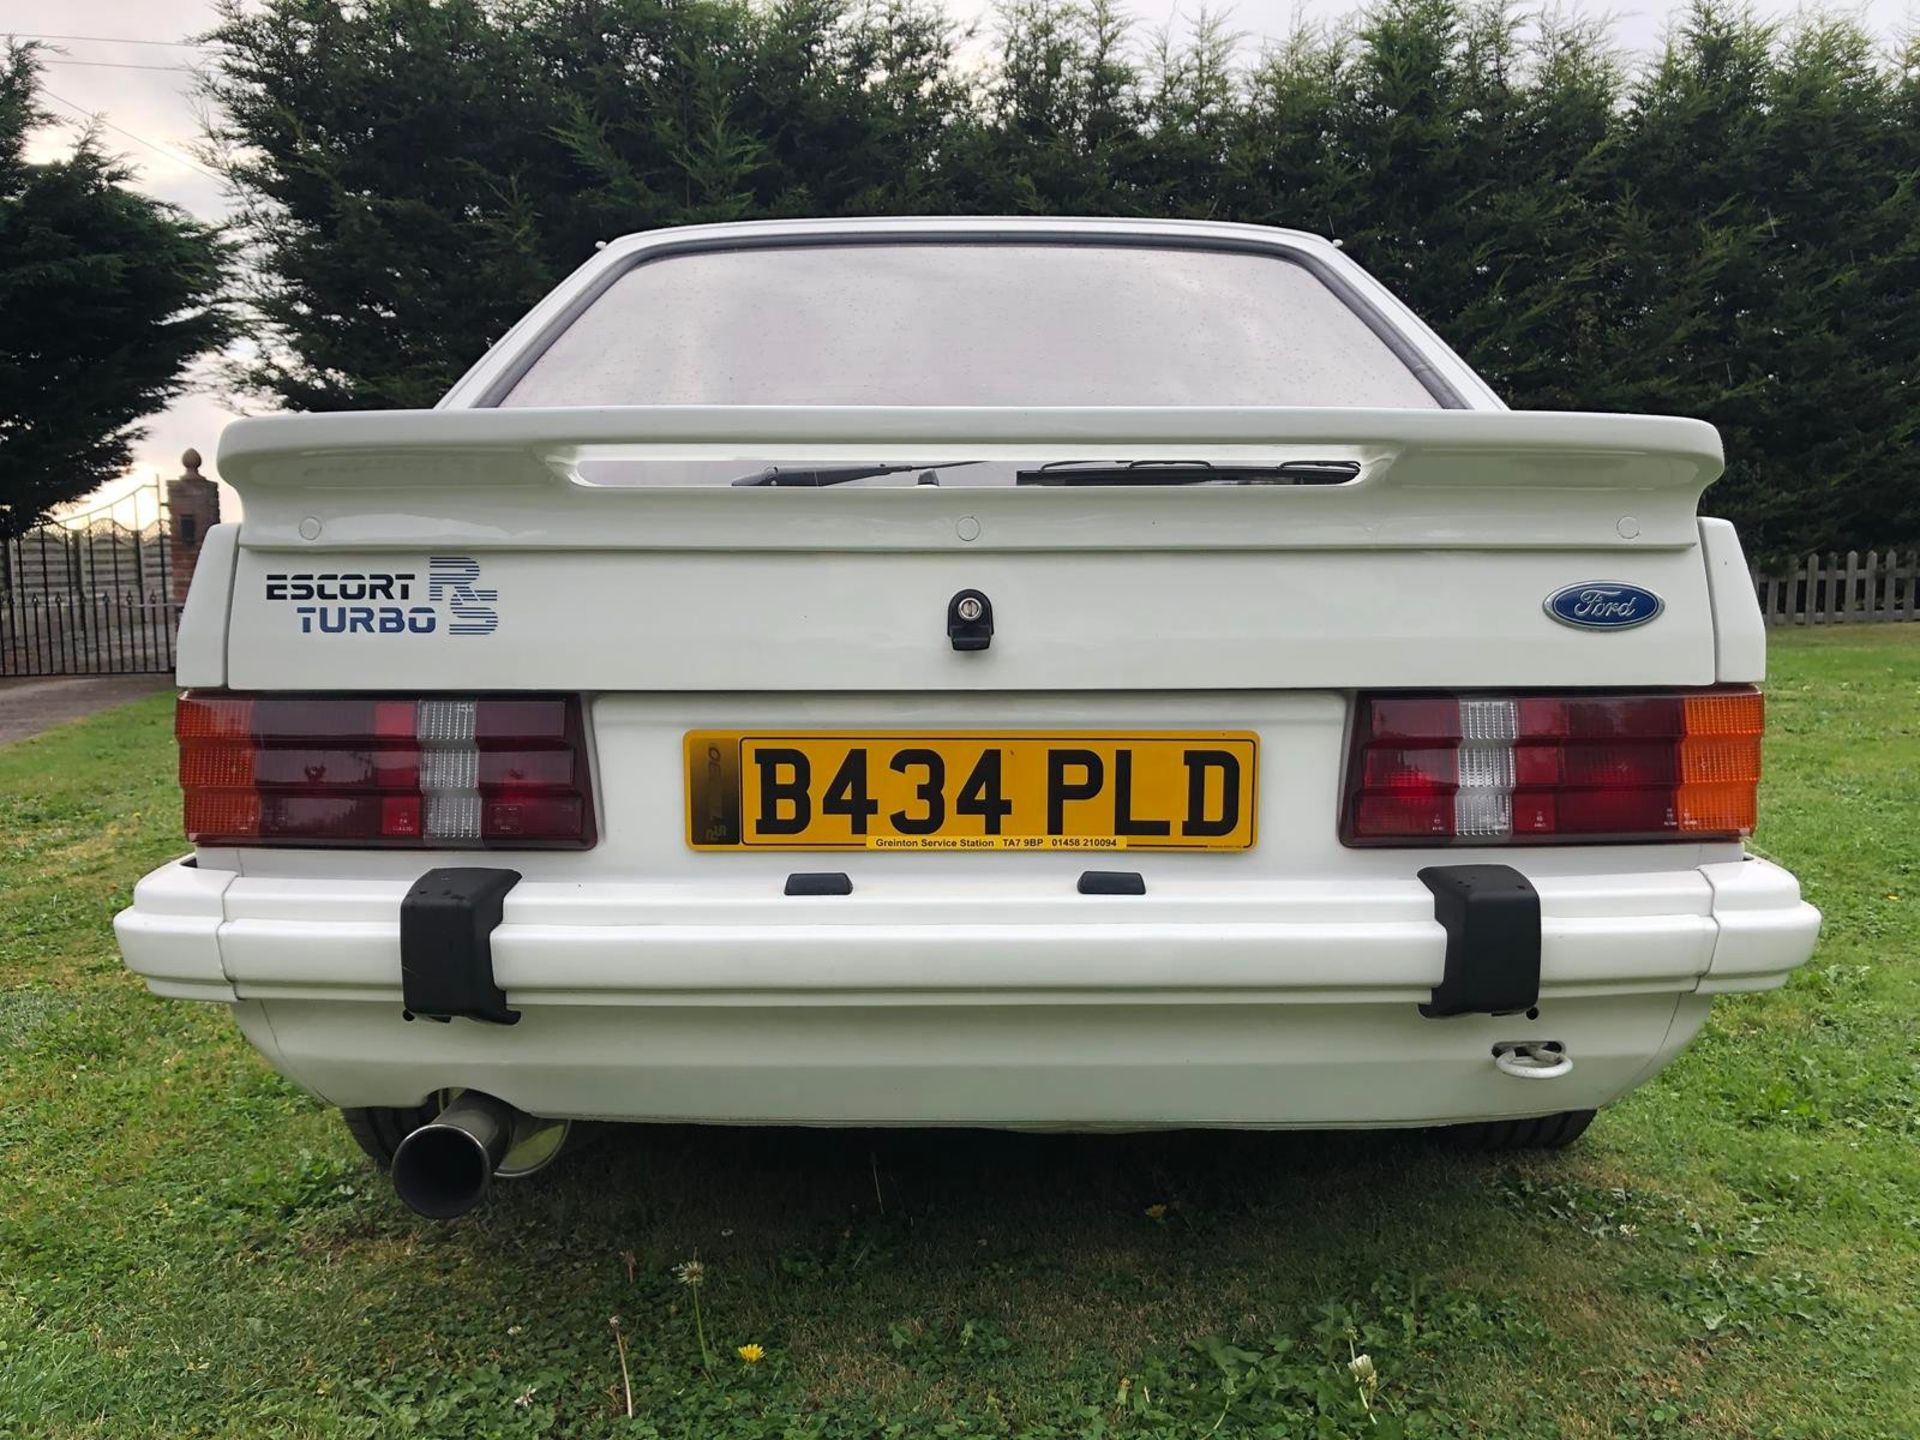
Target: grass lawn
{"type": "Point", "coordinates": [190, 1246]}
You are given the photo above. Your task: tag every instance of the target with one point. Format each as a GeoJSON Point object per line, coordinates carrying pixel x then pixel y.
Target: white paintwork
{"type": "Point", "coordinates": [1273, 570]}
{"type": "Point", "coordinates": [1024, 1066]}
{"type": "Point", "coordinates": [643, 1001]}
{"type": "Point", "coordinates": [1765, 929]}
{"type": "Point", "coordinates": [1739, 629]}
{"type": "Point", "coordinates": [1276, 986]}
{"type": "Point", "coordinates": [743, 622]}
{"type": "Point", "coordinates": [649, 941]}
{"type": "Point", "coordinates": [1451, 479]}
{"type": "Point", "coordinates": [200, 652]}
{"type": "Point", "coordinates": [170, 935]}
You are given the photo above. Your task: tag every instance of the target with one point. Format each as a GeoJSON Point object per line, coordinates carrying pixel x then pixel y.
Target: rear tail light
{"type": "Point", "coordinates": [1547, 769]}
{"type": "Point", "coordinates": [436, 772]}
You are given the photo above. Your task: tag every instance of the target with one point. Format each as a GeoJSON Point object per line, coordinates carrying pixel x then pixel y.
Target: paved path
{"type": "Point", "coordinates": [29, 706]}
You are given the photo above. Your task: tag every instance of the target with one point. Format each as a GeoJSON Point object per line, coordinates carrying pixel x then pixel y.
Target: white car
{"type": "Point", "coordinates": [1029, 673]}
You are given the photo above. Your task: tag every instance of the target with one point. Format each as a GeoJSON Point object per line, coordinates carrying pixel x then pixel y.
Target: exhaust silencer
{"type": "Point", "coordinates": [444, 1168]}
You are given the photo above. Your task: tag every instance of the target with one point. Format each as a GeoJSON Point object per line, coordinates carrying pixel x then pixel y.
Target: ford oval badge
{"type": "Point", "coordinates": [1604, 605]}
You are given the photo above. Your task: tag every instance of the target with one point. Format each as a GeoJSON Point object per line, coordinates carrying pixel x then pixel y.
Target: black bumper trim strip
{"type": "Point", "coordinates": [1113, 882]}
{"type": "Point", "coordinates": [830, 882]}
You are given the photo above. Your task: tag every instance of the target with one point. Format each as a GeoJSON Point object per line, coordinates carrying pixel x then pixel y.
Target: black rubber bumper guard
{"type": "Point", "coordinates": [1491, 914]}
{"type": "Point", "coordinates": [446, 945]}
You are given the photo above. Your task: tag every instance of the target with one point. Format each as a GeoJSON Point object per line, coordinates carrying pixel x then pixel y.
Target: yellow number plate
{"type": "Point", "coordinates": [970, 790]}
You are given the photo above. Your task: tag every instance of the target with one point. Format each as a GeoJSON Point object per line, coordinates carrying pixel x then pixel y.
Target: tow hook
{"type": "Point", "coordinates": [1532, 1059]}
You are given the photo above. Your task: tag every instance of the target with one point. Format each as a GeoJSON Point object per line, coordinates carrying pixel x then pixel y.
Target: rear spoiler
{"type": "Point", "coordinates": [510, 478]}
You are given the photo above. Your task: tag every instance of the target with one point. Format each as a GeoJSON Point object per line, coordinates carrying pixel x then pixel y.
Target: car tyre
{"type": "Point", "coordinates": [379, 1129]}
{"type": "Point", "coordinates": [1541, 1132]}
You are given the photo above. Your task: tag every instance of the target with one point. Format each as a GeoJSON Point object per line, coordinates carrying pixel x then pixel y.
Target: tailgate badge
{"type": "Point", "coordinates": [1604, 605]}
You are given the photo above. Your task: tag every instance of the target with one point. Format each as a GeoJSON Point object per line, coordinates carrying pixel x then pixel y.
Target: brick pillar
{"type": "Point", "coordinates": [193, 508]}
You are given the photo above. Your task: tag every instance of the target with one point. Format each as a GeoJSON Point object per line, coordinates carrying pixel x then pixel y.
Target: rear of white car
{"type": "Point", "coordinates": [1054, 674]}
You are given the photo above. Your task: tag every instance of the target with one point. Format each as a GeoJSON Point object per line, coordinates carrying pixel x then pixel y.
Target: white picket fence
{"type": "Point", "coordinates": [1849, 589]}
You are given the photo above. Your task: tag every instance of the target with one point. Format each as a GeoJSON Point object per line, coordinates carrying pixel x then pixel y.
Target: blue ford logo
{"type": "Point", "coordinates": [1604, 605]}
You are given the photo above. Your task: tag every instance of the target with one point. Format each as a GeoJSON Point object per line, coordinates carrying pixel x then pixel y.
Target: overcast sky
{"type": "Point", "coordinates": [142, 90]}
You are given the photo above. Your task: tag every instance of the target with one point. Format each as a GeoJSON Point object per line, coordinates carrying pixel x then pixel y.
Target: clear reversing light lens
{"type": "Point", "coordinates": [456, 772]}
{"type": "Point", "coordinates": [1565, 768]}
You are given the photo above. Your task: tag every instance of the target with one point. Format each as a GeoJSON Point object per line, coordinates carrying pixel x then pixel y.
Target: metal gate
{"type": "Point", "coordinates": [90, 594]}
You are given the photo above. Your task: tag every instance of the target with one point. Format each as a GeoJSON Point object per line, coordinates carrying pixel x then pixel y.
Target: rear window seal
{"type": "Point", "coordinates": [1404, 350]}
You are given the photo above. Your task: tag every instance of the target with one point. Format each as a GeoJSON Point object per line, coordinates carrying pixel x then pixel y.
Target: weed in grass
{"type": "Point", "coordinates": [626, 1375]}
{"type": "Point", "coordinates": [692, 1274]}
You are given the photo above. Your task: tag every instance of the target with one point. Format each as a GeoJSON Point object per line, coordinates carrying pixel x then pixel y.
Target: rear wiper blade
{"type": "Point", "coordinates": [1190, 472]}
{"type": "Point", "coordinates": [841, 474]}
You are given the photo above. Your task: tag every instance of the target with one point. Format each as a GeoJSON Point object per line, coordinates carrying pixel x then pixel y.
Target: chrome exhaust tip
{"type": "Point", "coordinates": [445, 1168]}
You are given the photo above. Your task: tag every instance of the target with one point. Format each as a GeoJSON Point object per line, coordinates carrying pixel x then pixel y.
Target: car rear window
{"type": "Point", "coordinates": [969, 324]}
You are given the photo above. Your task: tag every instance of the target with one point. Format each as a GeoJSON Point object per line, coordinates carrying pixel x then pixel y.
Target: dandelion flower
{"type": "Point", "coordinates": [752, 1354]}
{"type": "Point", "coordinates": [690, 1273]}
{"type": "Point", "coordinates": [1366, 1378]}
{"type": "Point", "coordinates": [1156, 1212]}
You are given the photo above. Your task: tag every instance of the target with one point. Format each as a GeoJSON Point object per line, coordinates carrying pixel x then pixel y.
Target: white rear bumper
{"type": "Point", "coordinates": [1287, 1003]}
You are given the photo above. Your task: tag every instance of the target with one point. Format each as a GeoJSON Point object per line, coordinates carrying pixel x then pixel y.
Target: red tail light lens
{"type": "Point", "coordinates": [436, 772]}
{"type": "Point", "coordinates": [1546, 769]}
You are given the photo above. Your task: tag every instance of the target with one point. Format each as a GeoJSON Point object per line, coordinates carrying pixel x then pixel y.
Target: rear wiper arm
{"type": "Point", "coordinates": [1190, 472]}
{"type": "Point", "coordinates": [841, 474]}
